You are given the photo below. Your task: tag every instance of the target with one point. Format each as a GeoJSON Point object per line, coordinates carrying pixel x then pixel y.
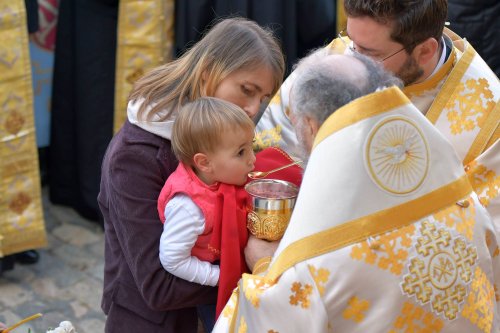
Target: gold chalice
{"type": "Point", "coordinates": [270, 207]}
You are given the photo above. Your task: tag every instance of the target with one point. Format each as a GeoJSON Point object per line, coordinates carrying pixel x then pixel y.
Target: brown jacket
{"type": "Point", "coordinates": [139, 295]}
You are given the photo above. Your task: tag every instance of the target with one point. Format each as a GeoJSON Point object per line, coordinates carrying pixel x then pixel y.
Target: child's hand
{"type": "Point", "coordinates": [257, 249]}
{"type": "Point", "coordinates": [2, 326]}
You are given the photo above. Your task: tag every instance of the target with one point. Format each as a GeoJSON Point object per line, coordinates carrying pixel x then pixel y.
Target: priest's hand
{"type": "Point", "coordinates": [257, 249]}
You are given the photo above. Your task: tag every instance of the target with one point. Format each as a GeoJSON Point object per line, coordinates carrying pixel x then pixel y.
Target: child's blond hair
{"type": "Point", "coordinates": [200, 124]}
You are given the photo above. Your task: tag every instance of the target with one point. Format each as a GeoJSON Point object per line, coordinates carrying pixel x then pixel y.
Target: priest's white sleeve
{"type": "Point", "coordinates": [291, 304]}
{"type": "Point", "coordinates": [184, 222]}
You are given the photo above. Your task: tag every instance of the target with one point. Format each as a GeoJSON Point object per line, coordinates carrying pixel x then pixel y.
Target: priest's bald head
{"type": "Point", "coordinates": [326, 82]}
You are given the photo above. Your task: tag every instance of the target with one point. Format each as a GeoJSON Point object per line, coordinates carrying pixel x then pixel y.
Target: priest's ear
{"type": "Point", "coordinates": [309, 130]}
{"type": "Point", "coordinates": [202, 162]}
{"type": "Point", "coordinates": [313, 126]}
{"type": "Point", "coordinates": [425, 51]}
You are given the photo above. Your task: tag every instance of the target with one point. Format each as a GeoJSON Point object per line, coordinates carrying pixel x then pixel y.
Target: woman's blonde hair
{"type": "Point", "coordinates": [199, 126]}
{"type": "Point", "coordinates": [232, 44]}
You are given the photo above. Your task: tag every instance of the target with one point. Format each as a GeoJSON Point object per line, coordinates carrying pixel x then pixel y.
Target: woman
{"type": "Point", "coordinates": [237, 61]}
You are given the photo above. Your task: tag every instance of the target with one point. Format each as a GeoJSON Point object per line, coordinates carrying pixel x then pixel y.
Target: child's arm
{"type": "Point", "coordinates": [184, 222]}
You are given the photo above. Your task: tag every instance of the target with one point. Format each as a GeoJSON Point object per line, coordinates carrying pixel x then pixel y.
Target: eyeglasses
{"type": "Point", "coordinates": [343, 35]}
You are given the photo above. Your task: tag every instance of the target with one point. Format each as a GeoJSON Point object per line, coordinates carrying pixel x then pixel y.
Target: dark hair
{"type": "Point", "coordinates": [413, 21]}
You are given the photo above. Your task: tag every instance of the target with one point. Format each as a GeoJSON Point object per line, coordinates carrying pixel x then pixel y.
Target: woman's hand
{"type": "Point", "coordinates": [257, 249]}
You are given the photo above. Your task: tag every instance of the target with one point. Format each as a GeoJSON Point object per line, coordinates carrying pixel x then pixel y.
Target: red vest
{"type": "Point", "coordinates": [184, 180]}
{"type": "Point", "coordinates": [225, 235]}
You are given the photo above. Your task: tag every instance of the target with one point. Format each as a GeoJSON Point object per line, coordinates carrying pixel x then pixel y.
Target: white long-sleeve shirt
{"type": "Point", "coordinates": [184, 222]}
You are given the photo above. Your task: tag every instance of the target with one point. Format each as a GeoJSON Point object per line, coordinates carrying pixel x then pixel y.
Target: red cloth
{"type": "Point", "coordinates": [272, 158]}
{"type": "Point", "coordinates": [231, 239]}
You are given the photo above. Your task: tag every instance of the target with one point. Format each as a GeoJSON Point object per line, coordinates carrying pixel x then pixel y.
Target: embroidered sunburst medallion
{"type": "Point", "coordinates": [397, 155]}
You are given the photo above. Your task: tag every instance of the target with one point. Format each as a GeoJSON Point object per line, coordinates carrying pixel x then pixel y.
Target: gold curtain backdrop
{"type": "Point", "coordinates": [341, 18]}
{"type": "Point", "coordinates": [21, 214]}
{"type": "Point", "coordinates": [145, 40]}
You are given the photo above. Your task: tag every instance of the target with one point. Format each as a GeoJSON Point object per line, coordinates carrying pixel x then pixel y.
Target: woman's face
{"type": "Point", "coordinates": [247, 88]}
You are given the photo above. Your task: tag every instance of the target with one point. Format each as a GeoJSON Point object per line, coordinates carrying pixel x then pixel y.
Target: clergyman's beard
{"type": "Point", "coordinates": [410, 71]}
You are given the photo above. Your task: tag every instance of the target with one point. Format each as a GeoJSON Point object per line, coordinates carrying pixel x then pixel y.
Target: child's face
{"type": "Point", "coordinates": [234, 159]}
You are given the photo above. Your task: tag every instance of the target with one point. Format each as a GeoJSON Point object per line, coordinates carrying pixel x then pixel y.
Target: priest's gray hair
{"type": "Point", "coordinates": [326, 82]}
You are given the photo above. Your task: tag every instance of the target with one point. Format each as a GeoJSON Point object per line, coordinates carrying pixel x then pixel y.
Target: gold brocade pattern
{"type": "Point", "coordinates": [19, 202]}
{"type": "Point", "coordinates": [276, 98]}
{"type": "Point", "coordinates": [145, 40]}
{"type": "Point", "coordinates": [300, 295]}
{"type": "Point", "coordinates": [341, 16]}
{"type": "Point", "coordinates": [485, 182]}
{"type": "Point", "coordinates": [253, 287]}
{"type": "Point", "coordinates": [366, 227]}
{"type": "Point", "coordinates": [21, 215]}
{"type": "Point", "coordinates": [414, 319]}
{"type": "Point", "coordinates": [267, 138]}
{"type": "Point", "coordinates": [494, 249]}
{"type": "Point", "coordinates": [268, 224]}
{"type": "Point", "coordinates": [356, 309]}
{"type": "Point", "coordinates": [14, 121]}
{"type": "Point", "coordinates": [479, 308]}
{"type": "Point", "coordinates": [467, 109]}
{"type": "Point", "coordinates": [243, 328]}
{"type": "Point", "coordinates": [390, 253]}
{"type": "Point", "coordinates": [320, 277]}
{"type": "Point", "coordinates": [458, 218]}
{"type": "Point", "coordinates": [228, 310]}
{"type": "Point", "coordinates": [441, 271]}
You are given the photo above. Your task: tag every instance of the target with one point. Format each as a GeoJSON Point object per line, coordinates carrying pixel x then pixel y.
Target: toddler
{"type": "Point", "coordinates": [203, 203]}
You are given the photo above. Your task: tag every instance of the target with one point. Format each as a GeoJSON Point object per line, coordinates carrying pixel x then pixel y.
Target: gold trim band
{"type": "Point", "coordinates": [145, 40]}
{"type": "Point", "coordinates": [232, 323]}
{"type": "Point", "coordinates": [368, 226]}
{"type": "Point", "coordinates": [261, 265]}
{"type": "Point", "coordinates": [482, 139]}
{"type": "Point", "coordinates": [21, 213]}
{"type": "Point", "coordinates": [433, 81]}
{"type": "Point", "coordinates": [360, 109]}
{"type": "Point", "coordinates": [494, 138]}
{"type": "Point", "coordinates": [450, 84]}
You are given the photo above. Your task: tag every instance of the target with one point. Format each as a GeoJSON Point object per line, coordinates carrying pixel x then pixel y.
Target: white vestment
{"type": "Point", "coordinates": [461, 99]}
{"type": "Point", "coordinates": [387, 235]}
